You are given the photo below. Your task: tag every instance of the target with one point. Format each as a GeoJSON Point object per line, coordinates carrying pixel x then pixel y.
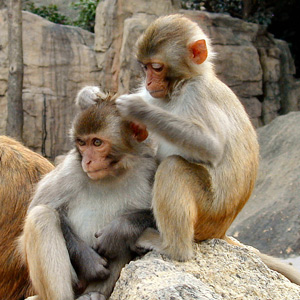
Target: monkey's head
{"type": "Point", "coordinates": [103, 139]}
{"type": "Point", "coordinates": [171, 49]}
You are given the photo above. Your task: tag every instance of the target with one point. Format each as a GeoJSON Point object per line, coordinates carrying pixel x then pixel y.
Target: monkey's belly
{"type": "Point", "coordinates": [89, 216]}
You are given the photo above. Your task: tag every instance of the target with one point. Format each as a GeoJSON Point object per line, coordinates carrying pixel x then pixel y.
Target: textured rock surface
{"type": "Point", "coordinates": [270, 219]}
{"type": "Point", "coordinates": [218, 271]}
{"type": "Point", "coordinates": [58, 60]}
{"type": "Point", "coordinates": [112, 33]}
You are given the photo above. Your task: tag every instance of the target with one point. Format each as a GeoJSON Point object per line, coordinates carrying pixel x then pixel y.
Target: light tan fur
{"type": "Point", "coordinates": [90, 204]}
{"type": "Point", "coordinates": [42, 230]}
{"type": "Point", "coordinates": [206, 143]}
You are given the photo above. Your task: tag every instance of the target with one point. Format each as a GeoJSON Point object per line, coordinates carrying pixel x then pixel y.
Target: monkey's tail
{"type": "Point", "coordinates": [277, 265]}
{"type": "Point", "coordinates": [272, 262]}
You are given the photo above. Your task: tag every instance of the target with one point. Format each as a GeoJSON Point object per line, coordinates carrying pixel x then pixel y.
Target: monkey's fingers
{"type": "Point", "coordinates": [124, 104]}
{"type": "Point", "coordinates": [107, 245]}
{"type": "Point", "coordinates": [106, 252]}
{"type": "Point", "coordinates": [98, 234]}
{"type": "Point", "coordinates": [103, 273]}
{"type": "Point", "coordinates": [80, 286]}
{"type": "Point", "coordinates": [98, 271]}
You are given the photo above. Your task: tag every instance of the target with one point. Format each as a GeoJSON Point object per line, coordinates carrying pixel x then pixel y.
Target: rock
{"type": "Point", "coordinates": [218, 271]}
{"type": "Point", "coordinates": [270, 219]}
{"type": "Point", "coordinates": [112, 32]}
{"type": "Point", "coordinates": [58, 61]}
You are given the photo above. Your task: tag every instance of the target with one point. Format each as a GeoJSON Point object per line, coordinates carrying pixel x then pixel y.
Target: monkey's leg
{"type": "Point", "coordinates": [179, 188]}
{"type": "Point", "coordinates": [47, 256]}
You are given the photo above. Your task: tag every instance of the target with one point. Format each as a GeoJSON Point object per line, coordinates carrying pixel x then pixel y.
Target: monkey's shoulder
{"type": "Point", "coordinates": [62, 183]}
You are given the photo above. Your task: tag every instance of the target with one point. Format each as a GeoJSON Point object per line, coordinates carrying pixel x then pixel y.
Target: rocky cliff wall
{"type": "Point", "coordinates": [59, 60]}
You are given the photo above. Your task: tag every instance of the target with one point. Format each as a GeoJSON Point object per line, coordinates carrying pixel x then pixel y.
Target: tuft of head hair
{"type": "Point", "coordinates": [167, 40]}
{"type": "Point", "coordinates": [96, 117]}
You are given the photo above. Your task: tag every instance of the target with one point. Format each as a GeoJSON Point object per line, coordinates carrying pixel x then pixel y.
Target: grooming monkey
{"type": "Point", "coordinates": [103, 186]}
{"type": "Point", "coordinates": [20, 169]}
{"type": "Point", "coordinates": [207, 146]}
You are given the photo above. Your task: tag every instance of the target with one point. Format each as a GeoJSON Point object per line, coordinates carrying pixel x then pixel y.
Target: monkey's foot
{"type": "Point", "coordinates": [92, 296]}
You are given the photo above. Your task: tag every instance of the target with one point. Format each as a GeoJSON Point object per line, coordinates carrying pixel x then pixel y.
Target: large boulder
{"type": "Point", "coordinates": [270, 219]}
{"type": "Point", "coordinates": [58, 61]}
{"type": "Point", "coordinates": [217, 271]}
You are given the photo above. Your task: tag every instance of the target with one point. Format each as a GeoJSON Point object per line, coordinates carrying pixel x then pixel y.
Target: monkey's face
{"type": "Point", "coordinates": [96, 161]}
{"type": "Point", "coordinates": [156, 83]}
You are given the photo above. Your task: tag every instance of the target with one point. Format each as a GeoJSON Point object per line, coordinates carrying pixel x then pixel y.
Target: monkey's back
{"type": "Point", "coordinates": [235, 176]}
{"type": "Point", "coordinates": [20, 169]}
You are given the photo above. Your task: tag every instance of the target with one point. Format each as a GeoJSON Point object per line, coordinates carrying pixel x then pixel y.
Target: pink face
{"type": "Point", "coordinates": [95, 161]}
{"type": "Point", "coordinates": [156, 84]}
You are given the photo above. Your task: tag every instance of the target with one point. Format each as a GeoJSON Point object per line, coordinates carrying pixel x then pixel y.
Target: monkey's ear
{"type": "Point", "coordinates": [139, 131]}
{"type": "Point", "coordinates": [198, 51]}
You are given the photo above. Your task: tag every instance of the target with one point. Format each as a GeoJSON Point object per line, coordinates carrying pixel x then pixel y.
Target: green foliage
{"type": "Point", "coordinates": [49, 12]}
{"type": "Point", "coordinates": [87, 13]}
{"type": "Point", "coordinates": [85, 20]}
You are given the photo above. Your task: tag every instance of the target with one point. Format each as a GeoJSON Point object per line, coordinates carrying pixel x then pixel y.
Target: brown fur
{"type": "Point", "coordinates": [70, 206]}
{"type": "Point", "coordinates": [20, 169]}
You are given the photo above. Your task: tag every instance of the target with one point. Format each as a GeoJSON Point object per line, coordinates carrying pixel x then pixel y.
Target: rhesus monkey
{"type": "Point", "coordinates": [20, 169]}
{"type": "Point", "coordinates": [103, 186]}
{"type": "Point", "coordinates": [207, 146]}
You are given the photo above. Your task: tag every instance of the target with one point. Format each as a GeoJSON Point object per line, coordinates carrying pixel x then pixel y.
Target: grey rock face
{"type": "Point", "coordinates": [270, 219]}
{"type": "Point", "coordinates": [217, 271]}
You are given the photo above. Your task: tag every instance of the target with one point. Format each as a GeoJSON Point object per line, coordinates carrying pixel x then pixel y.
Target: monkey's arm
{"type": "Point", "coordinates": [198, 141]}
{"type": "Point", "coordinates": [88, 264]}
{"type": "Point", "coordinates": [123, 232]}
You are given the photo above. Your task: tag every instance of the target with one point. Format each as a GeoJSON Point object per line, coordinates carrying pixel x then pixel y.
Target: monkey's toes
{"type": "Point", "coordinates": [92, 296]}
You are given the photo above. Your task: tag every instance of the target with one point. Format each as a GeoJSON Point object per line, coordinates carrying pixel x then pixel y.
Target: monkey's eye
{"type": "Point", "coordinates": [97, 142]}
{"type": "Point", "coordinates": [80, 142]}
{"type": "Point", "coordinates": [157, 67]}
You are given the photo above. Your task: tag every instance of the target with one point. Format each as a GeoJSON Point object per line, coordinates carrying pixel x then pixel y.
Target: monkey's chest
{"type": "Point", "coordinates": [88, 213]}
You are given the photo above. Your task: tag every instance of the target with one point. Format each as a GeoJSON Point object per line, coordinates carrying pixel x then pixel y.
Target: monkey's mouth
{"type": "Point", "coordinates": [112, 166]}
{"type": "Point", "coordinates": [157, 93]}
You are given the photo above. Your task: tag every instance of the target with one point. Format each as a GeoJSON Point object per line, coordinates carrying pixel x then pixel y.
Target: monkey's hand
{"type": "Point", "coordinates": [112, 240]}
{"type": "Point", "coordinates": [89, 265]}
{"type": "Point", "coordinates": [122, 233]}
{"type": "Point", "coordinates": [132, 107]}
{"type": "Point", "coordinates": [88, 96]}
